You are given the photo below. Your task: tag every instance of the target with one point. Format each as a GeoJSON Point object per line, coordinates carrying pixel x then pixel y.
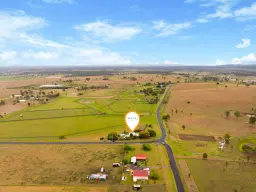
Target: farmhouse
{"type": "Point", "coordinates": [128, 135]}
{"type": "Point", "coordinates": [140, 175]}
{"type": "Point", "coordinates": [138, 157]}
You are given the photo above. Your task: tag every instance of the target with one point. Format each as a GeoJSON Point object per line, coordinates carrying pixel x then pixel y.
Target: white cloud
{"type": "Point", "coordinates": [225, 9]}
{"type": "Point", "coordinates": [249, 59]}
{"type": "Point", "coordinates": [20, 33]}
{"type": "Point", "coordinates": [202, 20]}
{"type": "Point", "coordinates": [245, 43]}
{"type": "Point", "coordinates": [59, 1]}
{"type": "Point", "coordinates": [41, 55]}
{"type": "Point", "coordinates": [14, 23]}
{"type": "Point", "coordinates": [220, 14]}
{"type": "Point", "coordinates": [109, 33]}
{"type": "Point", "coordinates": [220, 62]}
{"type": "Point", "coordinates": [8, 55]}
{"type": "Point", "coordinates": [236, 61]}
{"type": "Point", "coordinates": [167, 29]}
{"type": "Point", "coordinates": [246, 11]}
{"type": "Point", "coordinates": [41, 42]}
{"type": "Point", "coordinates": [167, 62]}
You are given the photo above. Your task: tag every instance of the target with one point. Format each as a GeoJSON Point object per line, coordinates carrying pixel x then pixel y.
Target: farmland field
{"type": "Point", "coordinates": [61, 103]}
{"type": "Point", "coordinates": [198, 122]}
{"type": "Point", "coordinates": [57, 164]}
{"type": "Point", "coordinates": [208, 105]}
{"type": "Point", "coordinates": [76, 118]}
{"type": "Point", "coordinates": [223, 177]}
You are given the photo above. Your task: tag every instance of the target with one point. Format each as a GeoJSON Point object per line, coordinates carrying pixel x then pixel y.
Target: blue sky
{"type": "Point", "coordinates": [127, 32]}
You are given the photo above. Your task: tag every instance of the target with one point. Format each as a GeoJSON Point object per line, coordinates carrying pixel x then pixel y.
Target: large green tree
{"type": "Point", "coordinates": [113, 136]}
{"type": "Point", "coordinates": [252, 120]}
{"type": "Point", "coordinates": [237, 114]}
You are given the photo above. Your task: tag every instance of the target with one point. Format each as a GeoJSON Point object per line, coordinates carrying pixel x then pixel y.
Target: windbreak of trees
{"type": "Point", "coordinates": [210, 78]}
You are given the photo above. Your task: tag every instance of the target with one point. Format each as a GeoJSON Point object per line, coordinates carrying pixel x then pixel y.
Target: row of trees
{"type": "Point", "coordinates": [252, 119]}
{"type": "Point", "coordinates": [236, 113]}
{"type": "Point", "coordinates": [145, 134]}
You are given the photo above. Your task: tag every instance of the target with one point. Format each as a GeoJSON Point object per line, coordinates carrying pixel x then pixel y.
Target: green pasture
{"type": "Point", "coordinates": [60, 126]}
{"type": "Point", "coordinates": [222, 176]}
{"type": "Point", "coordinates": [53, 113]}
{"type": "Point", "coordinates": [94, 125]}
{"type": "Point", "coordinates": [76, 117]}
{"type": "Point", "coordinates": [12, 77]}
{"type": "Point", "coordinates": [63, 102]}
{"type": "Point", "coordinates": [113, 106]}
{"type": "Point", "coordinates": [102, 92]}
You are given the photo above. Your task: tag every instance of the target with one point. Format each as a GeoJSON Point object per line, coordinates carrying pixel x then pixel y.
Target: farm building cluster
{"type": "Point", "coordinates": [128, 135]}
{"type": "Point", "coordinates": [137, 173]}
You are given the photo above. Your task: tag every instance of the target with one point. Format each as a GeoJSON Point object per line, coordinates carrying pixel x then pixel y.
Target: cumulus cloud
{"type": "Point", "coordinates": [167, 62]}
{"type": "Point", "coordinates": [20, 34]}
{"type": "Point", "coordinates": [107, 32]}
{"type": "Point", "coordinates": [249, 59]}
{"type": "Point", "coordinates": [41, 41]}
{"type": "Point", "coordinates": [8, 55]}
{"type": "Point", "coordinates": [245, 43]}
{"type": "Point", "coordinates": [220, 62]}
{"type": "Point", "coordinates": [167, 29]}
{"type": "Point", "coordinates": [41, 55]}
{"type": "Point", "coordinates": [16, 22]}
{"type": "Point", "coordinates": [246, 11]}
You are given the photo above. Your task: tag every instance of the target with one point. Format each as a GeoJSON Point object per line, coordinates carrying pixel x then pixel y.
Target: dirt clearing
{"type": "Point", "coordinates": [201, 108]}
{"type": "Point", "coordinates": [196, 137]}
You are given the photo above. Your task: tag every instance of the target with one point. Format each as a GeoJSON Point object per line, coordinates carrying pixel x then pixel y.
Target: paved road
{"type": "Point", "coordinates": [172, 161]}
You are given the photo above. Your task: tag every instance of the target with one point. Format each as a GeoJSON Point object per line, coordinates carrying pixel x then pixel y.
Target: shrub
{"type": "Point", "coordinates": [183, 127]}
{"type": "Point", "coordinates": [62, 137]}
{"type": "Point", "coordinates": [125, 161]}
{"type": "Point", "coordinates": [128, 148]}
{"type": "Point", "coordinates": [153, 175]}
{"type": "Point", "coordinates": [152, 133]}
{"type": "Point", "coordinates": [102, 138]}
{"type": "Point", "coordinates": [146, 147]}
{"type": "Point", "coordinates": [144, 134]}
{"type": "Point", "coordinates": [205, 156]}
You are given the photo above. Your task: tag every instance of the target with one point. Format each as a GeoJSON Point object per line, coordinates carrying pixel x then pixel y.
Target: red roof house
{"type": "Point", "coordinates": [140, 175]}
{"type": "Point", "coordinates": [141, 157]}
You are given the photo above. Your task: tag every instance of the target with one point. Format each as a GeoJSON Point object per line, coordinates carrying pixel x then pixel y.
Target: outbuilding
{"type": "Point", "coordinates": [133, 160]}
{"type": "Point", "coordinates": [141, 157]}
{"type": "Point", "coordinates": [99, 176]}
